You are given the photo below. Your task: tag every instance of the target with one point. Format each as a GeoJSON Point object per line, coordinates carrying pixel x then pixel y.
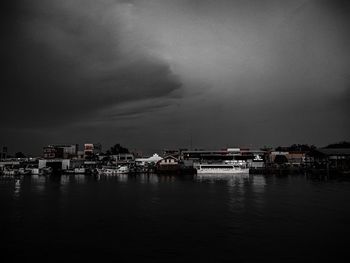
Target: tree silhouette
{"type": "Point", "coordinates": [20, 155]}
{"type": "Point", "coordinates": [280, 159]}
{"type": "Point", "coordinates": [117, 149]}
{"type": "Point", "coordinates": [296, 148]}
{"type": "Point", "coordinates": [339, 145]}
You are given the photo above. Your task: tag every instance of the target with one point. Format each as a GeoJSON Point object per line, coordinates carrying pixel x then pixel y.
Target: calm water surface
{"type": "Point", "coordinates": [174, 219]}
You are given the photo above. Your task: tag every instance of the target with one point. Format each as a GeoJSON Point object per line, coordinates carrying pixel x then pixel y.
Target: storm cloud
{"type": "Point", "coordinates": [67, 60]}
{"type": "Point", "coordinates": [174, 73]}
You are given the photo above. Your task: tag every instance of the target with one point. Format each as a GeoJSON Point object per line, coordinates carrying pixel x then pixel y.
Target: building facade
{"type": "Point", "coordinates": [60, 151]}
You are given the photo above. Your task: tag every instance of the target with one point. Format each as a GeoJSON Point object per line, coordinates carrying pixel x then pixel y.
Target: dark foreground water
{"type": "Point", "coordinates": [174, 219]}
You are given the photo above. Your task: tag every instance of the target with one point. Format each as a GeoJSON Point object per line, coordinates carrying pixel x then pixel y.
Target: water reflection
{"type": "Point", "coordinates": [240, 189]}
{"type": "Point", "coordinates": [167, 178]}
{"type": "Point", "coordinates": [122, 178]}
{"type": "Point", "coordinates": [141, 178]}
{"type": "Point", "coordinates": [64, 180]}
{"type": "Point", "coordinates": [231, 179]}
{"type": "Point", "coordinates": [236, 181]}
{"type": "Point", "coordinates": [259, 183]}
{"type": "Point", "coordinates": [39, 182]}
{"type": "Point", "coordinates": [72, 178]}
{"type": "Point", "coordinates": [148, 178]}
{"type": "Point", "coordinates": [80, 178]}
{"type": "Point", "coordinates": [17, 190]}
{"type": "Point", "coordinates": [104, 177]}
{"type": "Point", "coordinates": [222, 218]}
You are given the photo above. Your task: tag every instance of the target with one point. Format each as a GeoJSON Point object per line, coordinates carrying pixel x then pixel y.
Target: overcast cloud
{"type": "Point", "coordinates": [160, 74]}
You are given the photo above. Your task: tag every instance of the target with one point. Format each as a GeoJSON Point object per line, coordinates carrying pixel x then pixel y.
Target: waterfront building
{"type": "Point", "coordinates": [4, 164]}
{"type": "Point", "coordinates": [64, 151]}
{"type": "Point", "coordinates": [149, 160]}
{"type": "Point", "coordinates": [80, 154]}
{"type": "Point", "coordinates": [3, 152]}
{"type": "Point", "coordinates": [168, 164]}
{"type": "Point", "coordinates": [56, 164]}
{"type": "Point", "coordinates": [208, 155]}
{"type": "Point", "coordinates": [174, 153]}
{"type": "Point", "coordinates": [253, 158]}
{"type": "Point", "coordinates": [88, 150]}
{"type": "Point", "coordinates": [91, 149]}
{"type": "Point", "coordinates": [123, 158]}
{"type": "Point", "coordinates": [49, 152]}
{"type": "Point", "coordinates": [277, 157]}
{"type": "Point", "coordinates": [294, 158]}
{"type": "Point", "coordinates": [91, 165]}
{"type": "Point", "coordinates": [329, 158]}
{"type": "Point", "coordinates": [59, 164]}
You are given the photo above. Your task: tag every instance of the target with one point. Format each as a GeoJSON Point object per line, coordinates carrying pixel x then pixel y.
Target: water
{"type": "Point", "coordinates": [174, 219]}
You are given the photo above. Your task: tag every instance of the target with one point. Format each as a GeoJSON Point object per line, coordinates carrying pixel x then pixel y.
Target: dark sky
{"type": "Point", "coordinates": [154, 74]}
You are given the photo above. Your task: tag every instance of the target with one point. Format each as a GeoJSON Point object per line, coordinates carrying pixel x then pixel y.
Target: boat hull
{"type": "Point", "coordinates": [223, 171]}
{"type": "Point", "coordinates": [113, 171]}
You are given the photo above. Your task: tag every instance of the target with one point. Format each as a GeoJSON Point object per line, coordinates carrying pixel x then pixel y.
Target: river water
{"type": "Point", "coordinates": [149, 218]}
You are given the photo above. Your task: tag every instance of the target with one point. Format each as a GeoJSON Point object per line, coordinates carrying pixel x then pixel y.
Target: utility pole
{"type": "Point", "coordinates": [191, 140]}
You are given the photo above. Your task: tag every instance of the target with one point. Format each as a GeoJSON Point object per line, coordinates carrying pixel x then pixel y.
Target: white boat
{"type": "Point", "coordinates": [113, 170]}
{"type": "Point", "coordinates": [10, 172]}
{"type": "Point", "coordinates": [46, 170]}
{"type": "Point", "coordinates": [24, 171]}
{"type": "Point", "coordinates": [80, 170]}
{"type": "Point", "coordinates": [122, 169]}
{"type": "Point", "coordinates": [106, 171]}
{"type": "Point", "coordinates": [34, 171]}
{"type": "Point", "coordinates": [223, 168]}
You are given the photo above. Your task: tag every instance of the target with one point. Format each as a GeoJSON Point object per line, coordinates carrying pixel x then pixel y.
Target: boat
{"type": "Point", "coordinates": [10, 172]}
{"type": "Point", "coordinates": [223, 168]}
{"type": "Point", "coordinates": [122, 169]}
{"type": "Point", "coordinates": [105, 171]}
{"type": "Point", "coordinates": [23, 171]}
{"type": "Point", "coordinates": [80, 170]}
{"type": "Point", "coordinates": [113, 170]}
{"type": "Point", "coordinates": [33, 169]}
{"type": "Point", "coordinates": [46, 170]}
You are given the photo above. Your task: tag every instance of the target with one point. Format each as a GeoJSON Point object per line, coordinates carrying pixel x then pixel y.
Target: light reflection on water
{"type": "Point", "coordinates": [17, 190]}
{"type": "Point", "coordinates": [80, 178]}
{"type": "Point", "coordinates": [167, 178]}
{"type": "Point", "coordinates": [119, 178]}
{"type": "Point", "coordinates": [39, 182]}
{"type": "Point", "coordinates": [240, 188]}
{"type": "Point", "coordinates": [231, 179]}
{"type": "Point", "coordinates": [148, 178]}
{"type": "Point", "coordinates": [65, 179]}
{"type": "Point", "coordinates": [140, 178]}
{"type": "Point", "coordinates": [122, 178]}
{"type": "Point", "coordinates": [259, 183]}
{"type": "Point", "coordinates": [222, 217]}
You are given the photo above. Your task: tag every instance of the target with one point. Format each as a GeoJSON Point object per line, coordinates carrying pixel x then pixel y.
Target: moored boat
{"type": "Point", "coordinates": [113, 170]}
{"type": "Point", "coordinates": [80, 170]}
{"type": "Point", "coordinates": [23, 171]}
{"type": "Point", "coordinates": [46, 170]}
{"type": "Point", "coordinates": [34, 171]}
{"type": "Point", "coordinates": [222, 168]}
{"type": "Point", "coordinates": [10, 172]}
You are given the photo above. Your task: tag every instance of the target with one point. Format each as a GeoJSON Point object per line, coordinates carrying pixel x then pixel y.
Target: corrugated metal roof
{"type": "Point", "coordinates": [334, 151]}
